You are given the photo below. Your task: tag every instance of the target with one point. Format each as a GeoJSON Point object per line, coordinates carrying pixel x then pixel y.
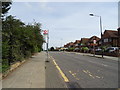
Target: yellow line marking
{"type": "Point", "coordinates": [70, 72]}
{"type": "Point", "coordinates": [91, 76]}
{"type": "Point", "coordinates": [62, 74]}
{"type": "Point", "coordinates": [74, 75]}
{"type": "Point", "coordinates": [84, 71]}
{"type": "Point", "coordinates": [55, 62]}
{"type": "Point", "coordinates": [89, 73]}
{"type": "Point", "coordinates": [77, 78]}
{"type": "Point", "coordinates": [97, 76]}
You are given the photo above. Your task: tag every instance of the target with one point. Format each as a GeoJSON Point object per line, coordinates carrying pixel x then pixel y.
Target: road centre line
{"type": "Point", "coordinates": [60, 71]}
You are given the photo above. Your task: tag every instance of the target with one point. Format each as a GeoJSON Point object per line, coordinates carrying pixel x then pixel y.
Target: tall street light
{"type": "Point", "coordinates": [100, 28]}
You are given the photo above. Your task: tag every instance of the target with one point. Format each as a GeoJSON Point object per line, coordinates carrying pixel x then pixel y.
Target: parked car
{"type": "Point", "coordinates": [98, 50]}
{"type": "Point", "coordinates": [112, 49]}
{"type": "Point", "coordinates": [76, 50]}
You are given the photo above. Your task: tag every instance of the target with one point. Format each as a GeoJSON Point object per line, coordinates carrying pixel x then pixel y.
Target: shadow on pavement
{"type": "Point", "coordinates": [74, 85]}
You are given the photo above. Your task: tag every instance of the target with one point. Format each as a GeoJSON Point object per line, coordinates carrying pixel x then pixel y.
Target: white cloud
{"type": "Point", "coordinates": [68, 21]}
{"type": "Point", "coordinates": [44, 6]}
{"type": "Point", "coordinates": [28, 5]}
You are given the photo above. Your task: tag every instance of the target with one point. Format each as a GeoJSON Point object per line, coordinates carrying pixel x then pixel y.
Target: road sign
{"type": "Point", "coordinates": [94, 41]}
{"type": "Point", "coordinates": [45, 32]}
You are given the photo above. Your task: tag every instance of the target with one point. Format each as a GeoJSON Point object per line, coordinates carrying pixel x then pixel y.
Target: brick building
{"type": "Point", "coordinates": [109, 38]}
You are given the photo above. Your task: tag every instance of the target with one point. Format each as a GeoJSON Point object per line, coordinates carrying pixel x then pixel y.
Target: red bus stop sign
{"type": "Point", "coordinates": [45, 32]}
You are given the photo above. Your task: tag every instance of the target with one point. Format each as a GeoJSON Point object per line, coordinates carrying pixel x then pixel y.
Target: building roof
{"type": "Point", "coordinates": [94, 38]}
{"type": "Point", "coordinates": [84, 40]}
{"type": "Point", "coordinates": [69, 44]}
{"type": "Point", "coordinates": [77, 42]}
{"type": "Point", "coordinates": [110, 33]}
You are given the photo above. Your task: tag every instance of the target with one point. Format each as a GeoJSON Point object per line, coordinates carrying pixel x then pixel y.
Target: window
{"type": "Point", "coordinates": [106, 40]}
{"type": "Point", "coordinates": [76, 44]}
{"type": "Point", "coordinates": [110, 40]}
{"type": "Point", "coordinates": [99, 42]}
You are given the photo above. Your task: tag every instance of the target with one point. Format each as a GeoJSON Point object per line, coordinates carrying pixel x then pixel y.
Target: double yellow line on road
{"type": "Point", "coordinates": [61, 72]}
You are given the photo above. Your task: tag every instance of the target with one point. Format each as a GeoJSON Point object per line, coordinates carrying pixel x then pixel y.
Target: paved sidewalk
{"type": "Point", "coordinates": [29, 75]}
{"type": "Point", "coordinates": [98, 56]}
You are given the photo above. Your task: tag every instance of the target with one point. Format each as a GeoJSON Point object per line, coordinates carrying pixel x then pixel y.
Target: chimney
{"type": "Point", "coordinates": [119, 31]}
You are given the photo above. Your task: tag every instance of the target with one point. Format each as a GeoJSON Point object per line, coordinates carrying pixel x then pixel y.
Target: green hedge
{"type": "Point", "coordinates": [19, 41]}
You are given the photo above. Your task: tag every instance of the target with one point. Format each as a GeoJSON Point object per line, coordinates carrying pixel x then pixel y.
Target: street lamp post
{"type": "Point", "coordinates": [100, 29]}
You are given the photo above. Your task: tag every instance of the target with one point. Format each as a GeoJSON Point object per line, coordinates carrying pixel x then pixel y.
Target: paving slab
{"type": "Point", "coordinates": [29, 75]}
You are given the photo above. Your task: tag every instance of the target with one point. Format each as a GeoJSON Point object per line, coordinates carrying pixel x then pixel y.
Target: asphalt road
{"type": "Point", "coordinates": [52, 76]}
{"type": "Point", "coordinates": [87, 72]}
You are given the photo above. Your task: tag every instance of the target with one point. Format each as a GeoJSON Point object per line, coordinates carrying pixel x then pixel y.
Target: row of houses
{"type": "Point", "coordinates": [110, 38]}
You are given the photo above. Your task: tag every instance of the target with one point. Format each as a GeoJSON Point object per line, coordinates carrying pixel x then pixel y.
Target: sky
{"type": "Point", "coordinates": [68, 21]}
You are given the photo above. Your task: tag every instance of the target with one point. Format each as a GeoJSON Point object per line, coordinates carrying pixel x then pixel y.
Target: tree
{"type": "Point", "coordinates": [20, 40]}
{"type": "Point", "coordinates": [52, 49]}
{"type": "Point", "coordinates": [10, 34]}
{"type": "Point", "coordinates": [5, 7]}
